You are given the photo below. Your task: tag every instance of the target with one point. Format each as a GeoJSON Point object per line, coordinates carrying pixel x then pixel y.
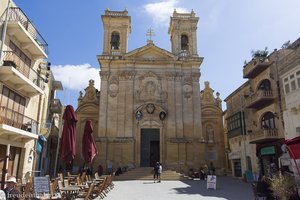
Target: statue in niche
{"type": "Point", "coordinates": [210, 135]}
{"type": "Point", "coordinates": [150, 88]}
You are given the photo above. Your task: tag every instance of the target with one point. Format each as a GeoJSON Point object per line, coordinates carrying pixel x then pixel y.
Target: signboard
{"type": "Point", "coordinates": [267, 150]}
{"type": "Point", "coordinates": [41, 185]}
{"type": "Point", "coordinates": [211, 182]}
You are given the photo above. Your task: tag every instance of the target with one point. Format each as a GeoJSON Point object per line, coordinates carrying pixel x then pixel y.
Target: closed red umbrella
{"type": "Point", "coordinates": [293, 147]}
{"type": "Point", "coordinates": [89, 149]}
{"type": "Point", "coordinates": [68, 138]}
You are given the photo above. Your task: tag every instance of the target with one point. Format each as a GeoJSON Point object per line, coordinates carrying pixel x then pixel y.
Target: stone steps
{"type": "Point", "coordinates": [146, 173]}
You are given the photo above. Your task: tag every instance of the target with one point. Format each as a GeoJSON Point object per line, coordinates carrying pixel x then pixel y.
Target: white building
{"type": "Point", "coordinates": [24, 89]}
{"type": "Point", "coordinates": [289, 69]}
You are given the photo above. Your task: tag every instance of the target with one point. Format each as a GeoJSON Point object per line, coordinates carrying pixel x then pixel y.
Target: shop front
{"type": "Point", "coordinates": [268, 155]}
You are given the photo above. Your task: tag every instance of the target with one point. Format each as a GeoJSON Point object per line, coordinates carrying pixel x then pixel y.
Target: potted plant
{"type": "Point", "coordinates": [283, 186]}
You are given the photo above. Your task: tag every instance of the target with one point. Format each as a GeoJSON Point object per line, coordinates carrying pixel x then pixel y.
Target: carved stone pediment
{"type": "Point", "coordinates": [150, 52]}
{"type": "Point", "coordinates": [150, 89]}
{"type": "Point", "coordinates": [208, 93]}
{"type": "Point", "coordinates": [91, 95]}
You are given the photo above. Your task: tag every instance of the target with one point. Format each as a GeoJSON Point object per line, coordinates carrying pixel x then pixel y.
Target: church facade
{"type": "Point", "coordinates": [150, 107]}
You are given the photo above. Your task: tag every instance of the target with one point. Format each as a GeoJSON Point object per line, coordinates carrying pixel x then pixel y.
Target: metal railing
{"type": "Point", "coordinates": [10, 58]}
{"type": "Point", "coordinates": [17, 15]}
{"type": "Point", "coordinates": [17, 120]}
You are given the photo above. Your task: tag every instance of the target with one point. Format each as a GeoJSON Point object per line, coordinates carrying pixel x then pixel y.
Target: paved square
{"type": "Point", "coordinates": [227, 188]}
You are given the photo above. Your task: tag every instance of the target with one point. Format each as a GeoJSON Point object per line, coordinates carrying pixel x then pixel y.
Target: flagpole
{"type": "Point", "coordinates": [4, 31]}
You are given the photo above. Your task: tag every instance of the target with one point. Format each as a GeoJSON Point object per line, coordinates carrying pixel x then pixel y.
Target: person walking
{"type": "Point", "coordinates": [159, 172]}
{"type": "Point", "coordinates": [212, 169]}
{"type": "Point", "coordinates": [156, 169]}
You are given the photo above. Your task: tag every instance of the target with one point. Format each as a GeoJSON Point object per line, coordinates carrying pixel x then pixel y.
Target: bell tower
{"type": "Point", "coordinates": [117, 27]}
{"type": "Point", "coordinates": [182, 30]}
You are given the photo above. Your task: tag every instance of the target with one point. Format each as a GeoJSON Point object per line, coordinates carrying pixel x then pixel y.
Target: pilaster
{"type": "Point", "coordinates": [102, 132]}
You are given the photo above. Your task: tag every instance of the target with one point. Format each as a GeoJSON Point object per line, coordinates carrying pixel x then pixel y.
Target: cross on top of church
{"type": "Point", "coordinates": [150, 33]}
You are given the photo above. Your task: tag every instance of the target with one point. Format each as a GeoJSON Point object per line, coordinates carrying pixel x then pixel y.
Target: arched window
{"type": "Point", "coordinates": [265, 85]}
{"type": "Point", "coordinates": [184, 42]}
{"type": "Point", "coordinates": [268, 121]}
{"type": "Point", "coordinates": [115, 40]}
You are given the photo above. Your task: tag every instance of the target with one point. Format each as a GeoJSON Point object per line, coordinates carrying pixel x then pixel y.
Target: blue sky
{"type": "Point", "coordinates": [227, 32]}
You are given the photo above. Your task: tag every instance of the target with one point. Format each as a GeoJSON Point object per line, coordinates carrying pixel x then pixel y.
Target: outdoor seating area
{"type": "Point", "coordinates": [71, 186]}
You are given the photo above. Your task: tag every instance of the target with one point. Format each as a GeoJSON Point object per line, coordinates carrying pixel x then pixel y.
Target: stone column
{"type": "Point", "coordinates": [171, 156]}
{"type": "Point", "coordinates": [106, 42]}
{"type": "Point", "coordinates": [197, 106]}
{"type": "Point", "coordinates": [112, 104]}
{"type": "Point", "coordinates": [171, 119]}
{"type": "Point", "coordinates": [188, 110]}
{"type": "Point", "coordinates": [102, 124]}
{"type": "Point", "coordinates": [178, 105]}
{"type": "Point", "coordinates": [129, 110]}
{"type": "Point", "coordinates": [194, 39]}
{"type": "Point", "coordinates": [121, 106]}
{"type": "Point", "coordinates": [198, 147]}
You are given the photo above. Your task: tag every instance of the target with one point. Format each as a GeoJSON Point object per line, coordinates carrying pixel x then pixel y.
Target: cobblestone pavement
{"type": "Point", "coordinates": [227, 188]}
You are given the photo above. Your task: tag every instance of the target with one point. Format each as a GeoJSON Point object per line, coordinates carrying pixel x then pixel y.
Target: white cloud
{"type": "Point", "coordinates": [161, 11]}
{"type": "Point", "coordinates": [76, 77]}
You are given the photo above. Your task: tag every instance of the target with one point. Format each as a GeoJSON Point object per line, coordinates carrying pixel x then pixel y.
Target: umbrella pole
{"type": "Point", "coordinates": [92, 168]}
{"type": "Point", "coordinates": [5, 167]}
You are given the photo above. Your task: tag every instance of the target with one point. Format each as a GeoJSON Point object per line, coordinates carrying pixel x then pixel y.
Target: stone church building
{"type": "Point", "coordinates": [150, 107]}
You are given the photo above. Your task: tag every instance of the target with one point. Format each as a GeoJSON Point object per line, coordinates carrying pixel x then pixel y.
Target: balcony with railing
{"type": "Point", "coordinates": [259, 99]}
{"type": "Point", "coordinates": [183, 54]}
{"type": "Point", "coordinates": [20, 26]}
{"type": "Point", "coordinates": [265, 135]}
{"type": "Point", "coordinates": [20, 76]}
{"type": "Point", "coordinates": [57, 85]}
{"type": "Point", "coordinates": [16, 125]}
{"type": "Point", "coordinates": [55, 106]}
{"type": "Point", "coordinates": [116, 52]}
{"type": "Point", "coordinates": [116, 13]}
{"type": "Point", "coordinates": [256, 66]}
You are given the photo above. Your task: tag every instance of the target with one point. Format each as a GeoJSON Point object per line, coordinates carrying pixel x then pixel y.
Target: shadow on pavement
{"type": "Point", "coordinates": [227, 187]}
